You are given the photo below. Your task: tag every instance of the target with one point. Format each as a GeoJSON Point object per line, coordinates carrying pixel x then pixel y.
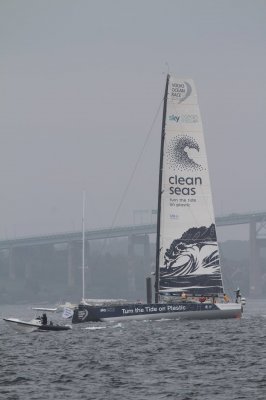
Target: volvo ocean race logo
{"type": "Point", "coordinates": [180, 91]}
{"type": "Point", "coordinates": [82, 314]}
{"type": "Point", "coordinates": [182, 152]}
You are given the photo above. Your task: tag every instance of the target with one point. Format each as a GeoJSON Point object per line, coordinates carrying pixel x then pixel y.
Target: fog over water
{"type": "Point", "coordinates": [81, 85]}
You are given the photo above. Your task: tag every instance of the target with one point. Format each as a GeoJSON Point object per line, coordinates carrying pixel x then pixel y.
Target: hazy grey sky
{"type": "Point", "coordinates": [81, 82]}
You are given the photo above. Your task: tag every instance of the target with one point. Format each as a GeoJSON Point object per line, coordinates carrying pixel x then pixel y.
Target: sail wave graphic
{"type": "Point", "coordinates": [195, 259]}
{"type": "Point", "coordinates": [195, 253]}
{"type": "Point", "coordinates": [179, 154]}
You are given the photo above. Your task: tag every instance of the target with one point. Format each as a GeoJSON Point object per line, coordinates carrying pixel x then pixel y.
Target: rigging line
{"type": "Point", "coordinates": [134, 169]}
{"type": "Point", "coordinates": [136, 165]}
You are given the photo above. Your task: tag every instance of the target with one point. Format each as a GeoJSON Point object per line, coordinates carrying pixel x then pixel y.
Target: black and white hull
{"type": "Point", "coordinates": [181, 310]}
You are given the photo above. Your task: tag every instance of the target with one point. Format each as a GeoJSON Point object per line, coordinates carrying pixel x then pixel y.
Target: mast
{"type": "Point", "coordinates": [83, 248]}
{"type": "Point", "coordinates": [157, 271]}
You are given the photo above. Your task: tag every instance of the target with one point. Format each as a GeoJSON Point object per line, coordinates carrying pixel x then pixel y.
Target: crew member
{"type": "Point", "coordinates": [44, 319]}
{"type": "Point", "coordinates": [226, 298]}
{"type": "Point", "coordinates": [202, 299]}
{"type": "Point", "coordinates": [184, 296]}
{"type": "Point", "coordinates": [238, 295]}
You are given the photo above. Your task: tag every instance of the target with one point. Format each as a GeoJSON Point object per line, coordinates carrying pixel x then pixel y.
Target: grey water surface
{"type": "Point", "coordinates": [181, 360]}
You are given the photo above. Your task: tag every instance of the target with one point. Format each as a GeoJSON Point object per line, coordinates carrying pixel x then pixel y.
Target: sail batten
{"type": "Point", "coordinates": [187, 249]}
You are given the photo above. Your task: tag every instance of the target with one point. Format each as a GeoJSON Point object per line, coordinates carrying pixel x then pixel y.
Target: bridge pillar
{"type": "Point", "coordinates": [131, 269]}
{"type": "Point", "coordinates": [147, 255]}
{"type": "Point", "coordinates": [255, 288]}
{"type": "Point", "coordinates": [28, 270]}
{"type": "Point", "coordinates": [70, 274]}
{"type": "Point", "coordinates": [25, 259]}
{"type": "Point", "coordinates": [133, 241]}
{"type": "Point", "coordinates": [11, 267]}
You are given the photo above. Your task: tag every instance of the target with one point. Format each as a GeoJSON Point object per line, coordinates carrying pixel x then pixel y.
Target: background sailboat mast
{"type": "Point", "coordinates": [157, 272]}
{"type": "Point", "coordinates": [83, 247]}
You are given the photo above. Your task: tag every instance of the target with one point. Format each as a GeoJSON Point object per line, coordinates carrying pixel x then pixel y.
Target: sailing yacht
{"type": "Point", "coordinates": [188, 274]}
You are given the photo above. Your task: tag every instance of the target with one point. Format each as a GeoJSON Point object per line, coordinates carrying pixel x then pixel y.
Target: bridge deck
{"type": "Point", "coordinates": [122, 231]}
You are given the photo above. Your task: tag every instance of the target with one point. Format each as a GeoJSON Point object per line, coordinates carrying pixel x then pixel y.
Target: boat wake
{"type": "Point", "coordinates": [94, 328]}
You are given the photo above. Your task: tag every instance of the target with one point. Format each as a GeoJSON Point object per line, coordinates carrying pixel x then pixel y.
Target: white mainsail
{"type": "Point", "coordinates": [189, 257]}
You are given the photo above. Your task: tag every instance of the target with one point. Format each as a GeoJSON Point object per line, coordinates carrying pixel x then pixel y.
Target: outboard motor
{"type": "Point", "coordinates": [243, 301]}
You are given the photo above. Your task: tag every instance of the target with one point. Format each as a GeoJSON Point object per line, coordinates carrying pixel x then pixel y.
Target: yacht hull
{"type": "Point", "coordinates": [181, 310]}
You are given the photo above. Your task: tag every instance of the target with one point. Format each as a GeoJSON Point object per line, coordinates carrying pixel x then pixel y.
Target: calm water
{"type": "Point", "coordinates": [182, 360]}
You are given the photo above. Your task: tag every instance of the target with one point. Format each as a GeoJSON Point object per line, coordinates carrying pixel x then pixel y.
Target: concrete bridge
{"type": "Point", "coordinates": [137, 235]}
